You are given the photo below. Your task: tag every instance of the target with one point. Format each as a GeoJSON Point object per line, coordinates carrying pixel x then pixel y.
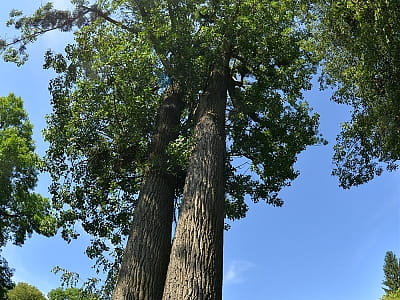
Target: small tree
{"type": "Point", "coordinates": [391, 269]}
{"type": "Point", "coordinates": [24, 291]}
{"type": "Point", "coordinates": [5, 278]}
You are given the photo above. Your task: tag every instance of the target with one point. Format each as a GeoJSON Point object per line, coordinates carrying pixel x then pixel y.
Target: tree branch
{"type": "Point", "coordinates": [69, 22]}
{"type": "Point", "coordinates": [106, 17]}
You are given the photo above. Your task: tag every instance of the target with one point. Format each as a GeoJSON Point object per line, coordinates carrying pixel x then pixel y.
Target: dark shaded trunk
{"type": "Point", "coordinates": [195, 268]}
{"type": "Point", "coordinates": [145, 262]}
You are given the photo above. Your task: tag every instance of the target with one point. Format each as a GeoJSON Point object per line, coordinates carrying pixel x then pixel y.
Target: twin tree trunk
{"type": "Point", "coordinates": [195, 267]}
{"type": "Point", "coordinates": [146, 257]}
{"type": "Point", "coordinates": [195, 262]}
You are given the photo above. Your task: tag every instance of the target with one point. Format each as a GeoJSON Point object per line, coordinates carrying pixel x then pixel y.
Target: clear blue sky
{"type": "Point", "coordinates": [324, 244]}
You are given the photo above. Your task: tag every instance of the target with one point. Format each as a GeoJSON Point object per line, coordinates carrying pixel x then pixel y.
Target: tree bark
{"type": "Point", "coordinates": [195, 268]}
{"type": "Point", "coordinates": [145, 261]}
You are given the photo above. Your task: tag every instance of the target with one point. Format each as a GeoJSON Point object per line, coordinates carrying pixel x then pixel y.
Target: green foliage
{"type": "Point", "coordinates": [24, 291]}
{"type": "Point", "coordinates": [391, 268]}
{"type": "Point", "coordinates": [392, 295]}
{"type": "Point", "coordinates": [359, 44]}
{"type": "Point", "coordinates": [45, 19]}
{"type": "Point", "coordinates": [104, 105]}
{"type": "Point", "coordinates": [70, 280]}
{"type": "Point", "coordinates": [21, 210]}
{"type": "Point", "coordinates": [70, 294]}
{"type": "Point", "coordinates": [5, 278]}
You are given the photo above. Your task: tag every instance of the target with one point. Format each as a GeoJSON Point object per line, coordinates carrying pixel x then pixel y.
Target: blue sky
{"type": "Point", "coordinates": [325, 243]}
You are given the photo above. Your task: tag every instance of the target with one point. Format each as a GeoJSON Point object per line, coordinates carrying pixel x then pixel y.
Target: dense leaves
{"type": "Point", "coordinates": [5, 278]}
{"type": "Point", "coordinates": [391, 268]}
{"type": "Point", "coordinates": [392, 296]}
{"type": "Point", "coordinates": [359, 44]}
{"type": "Point", "coordinates": [104, 104]}
{"type": "Point", "coordinates": [21, 211]}
{"type": "Point", "coordinates": [24, 291]}
{"type": "Point", "coordinates": [70, 294]}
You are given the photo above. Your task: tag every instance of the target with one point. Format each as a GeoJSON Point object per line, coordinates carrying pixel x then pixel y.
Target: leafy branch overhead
{"type": "Point", "coordinates": [359, 44]}
{"type": "Point", "coordinates": [46, 19]}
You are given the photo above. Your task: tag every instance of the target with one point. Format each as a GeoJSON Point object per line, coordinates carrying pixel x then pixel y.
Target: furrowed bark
{"type": "Point", "coordinates": [145, 261]}
{"type": "Point", "coordinates": [195, 268]}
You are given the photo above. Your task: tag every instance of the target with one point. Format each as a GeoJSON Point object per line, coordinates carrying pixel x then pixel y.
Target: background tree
{"type": "Point", "coordinates": [391, 268]}
{"type": "Point", "coordinates": [359, 45]}
{"type": "Point", "coordinates": [70, 294]}
{"type": "Point", "coordinates": [5, 278]}
{"type": "Point", "coordinates": [22, 211]}
{"type": "Point", "coordinates": [392, 295]}
{"type": "Point", "coordinates": [24, 291]}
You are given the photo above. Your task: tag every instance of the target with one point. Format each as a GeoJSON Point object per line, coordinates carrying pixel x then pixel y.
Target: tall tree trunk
{"type": "Point", "coordinates": [145, 262]}
{"type": "Point", "coordinates": [195, 268]}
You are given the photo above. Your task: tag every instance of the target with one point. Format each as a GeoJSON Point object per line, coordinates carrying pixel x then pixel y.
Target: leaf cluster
{"type": "Point", "coordinates": [391, 269]}
{"type": "Point", "coordinates": [359, 44]}
{"type": "Point", "coordinates": [5, 278]}
{"type": "Point", "coordinates": [70, 294]}
{"type": "Point", "coordinates": [268, 123]}
{"type": "Point", "coordinates": [24, 291]}
{"type": "Point", "coordinates": [392, 295]}
{"type": "Point", "coordinates": [21, 210]}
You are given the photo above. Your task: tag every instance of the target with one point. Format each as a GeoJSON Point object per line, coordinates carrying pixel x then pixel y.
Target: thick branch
{"type": "Point", "coordinates": [9, 215]}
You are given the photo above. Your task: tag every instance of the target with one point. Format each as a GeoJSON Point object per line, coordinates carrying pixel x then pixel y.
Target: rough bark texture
{"type": "Point", "coordinates": [145, 262]}
{"type": "Point", "coordinates": [195, 268]}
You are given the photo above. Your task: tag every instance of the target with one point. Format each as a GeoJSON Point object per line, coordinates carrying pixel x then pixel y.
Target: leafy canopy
{"type": "Point", "coordinates": [391, 268]}
{"type": "Point", "coordinates": [21, 211]}
{"type": "Point", "coordinates": [111, 82]}
{"type": "Point", "coordinates": [5, 278]}
{"type": "Point", "coordinates": [70, 294]}
{"type": "Point", "coordinates": [392, 296]}
{"type": "Point", "coordinates": [24, 291]}
{"type": "Point", "coordinates": [360, 47]}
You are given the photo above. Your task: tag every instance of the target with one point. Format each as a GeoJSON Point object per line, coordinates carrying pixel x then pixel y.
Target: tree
{"type": "Point", "coordinates": [22, 211]}
{"type": "Point", "coordinates": [125, 114]}
{"type": "Point", "coordinates": [5, 278]}
{"type": "Point", "coordinates": [359, 44]}
{"type": "Point", "coordinates": [391, 268]}
{"type": "Point", "coordinates": [70, 294]}
{"type": "Point", "coordinates": [24, 291]}
{"type": "Point", "coordinates": [208, 49]}
{"type": "Point", "coordinates": [392, 296]}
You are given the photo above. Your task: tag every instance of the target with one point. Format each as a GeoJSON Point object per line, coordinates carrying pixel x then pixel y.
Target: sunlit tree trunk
{"type": "Point", "coordinates": [195, 268]}
{"type": "Point", "coordinates": [145, 261]}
